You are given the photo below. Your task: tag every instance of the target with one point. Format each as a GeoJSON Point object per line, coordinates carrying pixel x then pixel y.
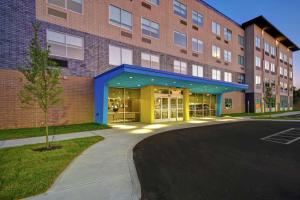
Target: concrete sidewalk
{"type": "Point", "coordinates": [106, 170]}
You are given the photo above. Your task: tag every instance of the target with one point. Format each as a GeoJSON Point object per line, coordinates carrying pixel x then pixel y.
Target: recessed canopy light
{"type": "Point", "coordinates": [174, 82]}
{"type": "Point", "coordinates": [191, 84]}
{"type": "Point", "coordinates": [139, 85]}
{"type": "Point", "coordinates": [152, 79]}
{"type": "Point", "coordinates": [118, 83]}
{"type": "Point", "coordinates": [130, 77]}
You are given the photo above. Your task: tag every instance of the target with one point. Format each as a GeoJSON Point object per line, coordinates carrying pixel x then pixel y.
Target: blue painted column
{"type": "Point", "coordinates": [101, 101]}
{"type": "Point", "coordinates": [219, 105]}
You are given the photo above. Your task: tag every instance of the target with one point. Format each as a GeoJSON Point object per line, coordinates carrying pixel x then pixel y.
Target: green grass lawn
{"type": "Point", "coordinates": [24, 172]}
{"type": "Point", "coordinates": [253, 114]}
{"type": "Point", "coordinates": [8, 134]}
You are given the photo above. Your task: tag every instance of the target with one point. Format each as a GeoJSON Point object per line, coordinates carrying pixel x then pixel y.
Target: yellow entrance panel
{"type": "Point", "coordinates": [147, 104]}
{"type": "Point", "coordinates": [186, 105]}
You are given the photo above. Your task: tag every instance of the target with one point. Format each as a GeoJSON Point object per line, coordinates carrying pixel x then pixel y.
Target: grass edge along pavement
{"type": "Point", "coordinates": [8, 134]}
{"type": "Point", "coordinates": [25, 172]}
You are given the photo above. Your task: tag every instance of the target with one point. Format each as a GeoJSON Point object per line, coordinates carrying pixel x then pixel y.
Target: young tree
{"type": "Point", "coordinates": [269, 97]}
{"type": "Point", "coordinates": [42, 76]}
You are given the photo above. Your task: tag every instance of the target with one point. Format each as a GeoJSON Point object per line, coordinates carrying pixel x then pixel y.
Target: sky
{"type": "Point", "coordinates": [283, 14]}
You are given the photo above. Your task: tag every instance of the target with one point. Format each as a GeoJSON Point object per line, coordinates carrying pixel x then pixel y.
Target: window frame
{"type": "Point", "coordinates": [150, 60]}
{"type": "Point", "coordinates": [197, 67]}
{"type": "Point", "coordinates": [180, 7]}
{"type": "Point", "coordinates": [218, 51]}
{"type": "Point", "coordinates": [216, 74]}
{"type": "Point", "coordinates": [151, 22]}
{"type": "Point", "coordinates": [227, 55]}
{"type": "Point", "coordinates": [119, 24]}
{"type": "Point", "coordinates": [120, 53]}
{"type": "Point", "coordinates": [182, 34]}
{"type": "Point", "coordinates": [198, 15]}
{"type": "Point", "coordinates": [66, 6]}
{"type": "Point", "coordinates": [66, 45]}
{"type": "Point", "coordinates": [227, 34]}
{"type": "Point", "coordinates": [199, 44]}
{"type": "Point", "coordinates": [216, 28]}
{"type": "Point", "coordinates": [228, 77]}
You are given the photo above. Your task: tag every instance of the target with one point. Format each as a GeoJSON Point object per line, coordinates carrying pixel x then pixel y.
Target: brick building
{"type": "Point", "coordinates": [183, 59]}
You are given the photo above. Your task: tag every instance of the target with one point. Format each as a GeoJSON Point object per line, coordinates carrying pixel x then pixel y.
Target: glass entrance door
{"type": "Point", "coordinates": [168, 108]}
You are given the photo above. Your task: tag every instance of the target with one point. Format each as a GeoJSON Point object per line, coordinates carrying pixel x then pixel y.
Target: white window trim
{"type": "Point", "coordinates": [186, 39]}
{"type": "Point", "coordinates": [66, 45]}
{"type": "Point", "coordinates": [120, 26]}
{"type": "Point", "coordinates": [66, 8]}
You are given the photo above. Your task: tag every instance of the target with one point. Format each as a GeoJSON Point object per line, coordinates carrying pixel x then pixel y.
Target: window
{"type": "Point", "coordinates": [216, 74]}
{"type": "Point", "coordinates": [285, 59]}
{"type": "Point", "coordinates": [119, 55]}
{"type": "Point", "coordinates": [120, 17]}
{"type": "Point", "coordinates": [257, 42]}
{"type": "Point", "coordinates": [241, 60]}
{"type": "Point", "coordinates": [257, 61]}
{"type": "Point", "coordinates": [228, 103]}
{"type": "Point", "coordinates": [197, 45]}
{"type": "Point", "coordinates": [227, 34]}
{"type": "Point", "coordinates": [216, 28]}
{"type": "Point", "coordinates": [272, 67]}
{"type": "Point", "coordinates": [227, 77]}
{"type": "Point", "coordinates": [285, 72]}
{"type": "Point", "coordinates": [285, 86]}
{"type": "Point", "coordinates": [179, 9]}
{"type": "Point", "coordinates": [65, 45]}
{"type": "Point", "coordinates": [73, 5]}
{"type": "Point", "coordinates": [216, 52]}
{"type": "Point", "coordinates": [241, 40]}
{"type": "Point", "coordinates": [281, 56]}
{"type": "Point", "coordinates": [180, 39]}
{"type": "Point", "coordinates": [257, 80]}
{"type": "Point", "coordinates": [154, 2]}
{"type": "Point", "coordinates": [150, 28]}
{"type": "Point", "coordinates": [291, 61]}
{"type": "Point", "coordinates": [197, 70]}
{"type": "Point", "coordinates": [281, 86]}
{"type": "Point", "coordinates": [150, 60]}
{"type": "Point", "coordinates": [273, 51]}
{"type": "Point", "coordinates": [267, 47]}
{"type": "Point", "coordinates": [291, 74]}
{"type": "Point", "coordinates": [180, 67]}
{"type": "Point", "coordinates": [227, 56]}
{"type": "Point", "coordinates": [241, 78]}
{"type": "Point", "coordinates": [197, 18]}
{"type": "Point", "coordinates": [281, 71]}
{"type": "Point", "coordinates": [267, 65]}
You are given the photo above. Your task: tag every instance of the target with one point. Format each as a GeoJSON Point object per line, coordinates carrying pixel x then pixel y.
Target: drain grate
{"type": "Point", "coordinates": [284, 137]}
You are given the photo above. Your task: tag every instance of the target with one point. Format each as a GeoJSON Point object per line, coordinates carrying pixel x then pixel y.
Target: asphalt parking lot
{"type": "Point", "coordinates": [219, 162]}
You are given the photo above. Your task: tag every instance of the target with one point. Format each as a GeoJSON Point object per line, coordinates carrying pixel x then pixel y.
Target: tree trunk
{"type": "Point", "coordinates": [46, 129]}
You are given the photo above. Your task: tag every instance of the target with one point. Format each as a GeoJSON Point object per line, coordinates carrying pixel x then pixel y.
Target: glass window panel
{"type": "Point", "coordinates": [127, 56]}
{"type": "Point", "coordinates": [74, 41]}
{"type": "Point", "coordinates": [179, 9]}
{"type": "Point", "coordinates": [60, 3]}
{"type": "Point", "coordinates": [76, 53]}
{"type": "Point", "coordinates": [180, 39]}
{"type": "Point", "coordinates": [126, 19]}
{"type": "Point", "coordinates": [56, 37]}
{"type": "Point", "coordinates": [114, 15]}
{"type": "Point", "coordinates": [176, 66]}
{"type": "Point", "coordinates": [75, 5]}
{"type": "Point", "coordinates": [57, 49]}
{"type": "Point", "coordinates": [114, 55]}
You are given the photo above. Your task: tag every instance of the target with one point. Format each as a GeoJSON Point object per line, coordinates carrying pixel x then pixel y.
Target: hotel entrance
{"type": "Point", "coordinates": [168, 108]}
{"type": "Point", "coordinates": [168, 104]}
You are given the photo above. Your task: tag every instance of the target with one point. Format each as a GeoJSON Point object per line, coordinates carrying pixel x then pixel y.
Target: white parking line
{"type": "Point", "coordinates": [284, 137]}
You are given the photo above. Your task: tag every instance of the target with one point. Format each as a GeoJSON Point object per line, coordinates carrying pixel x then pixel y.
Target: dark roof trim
{"type": "Point", "coordinates": [219, 12]}
{"type": "Point", "coordinates": [268, 27]}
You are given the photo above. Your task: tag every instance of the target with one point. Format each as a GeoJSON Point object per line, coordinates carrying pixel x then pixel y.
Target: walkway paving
{"type": "Point", "coordinates": [106, 170]}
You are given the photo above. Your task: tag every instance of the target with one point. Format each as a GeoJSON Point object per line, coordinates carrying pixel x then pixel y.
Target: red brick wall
{"type": "Point", "coordinates": [77, 104]}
